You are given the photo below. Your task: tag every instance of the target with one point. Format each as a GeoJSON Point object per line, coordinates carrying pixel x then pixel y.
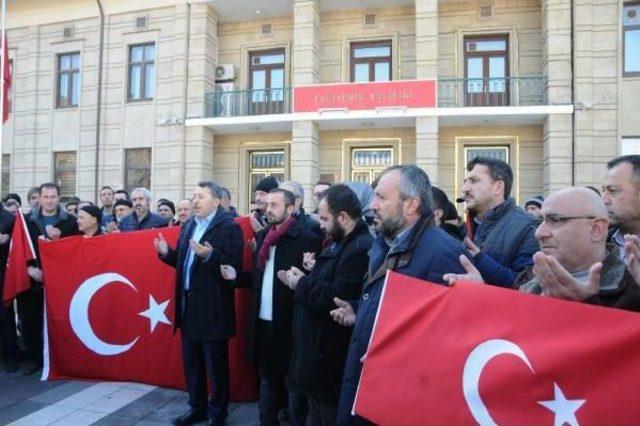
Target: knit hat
{"type": "Point", "coordinates": [123, 202]}
{"type": "Point", "coordinates": [94, 211]}
{"type": "Point", "coordinates": [167, 203]}
{"type": "Point", "coordinates": [537, 201]}
{"type": "Point", "coordinates": [266, 184]}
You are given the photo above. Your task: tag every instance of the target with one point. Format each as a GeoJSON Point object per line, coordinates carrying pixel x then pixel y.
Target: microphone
{"type": "Point", "coordinates": [460, 200]}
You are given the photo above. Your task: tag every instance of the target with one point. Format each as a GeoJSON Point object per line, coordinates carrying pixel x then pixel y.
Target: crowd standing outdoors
{"type": "Point", "coordinates": [318, 277]}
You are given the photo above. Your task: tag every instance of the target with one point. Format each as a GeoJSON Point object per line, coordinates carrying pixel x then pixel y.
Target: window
{"type": "Point", "coordinates": [141, 71]}
{"type": "Point", "coordinates": [263, 164]}
{"type": "Point", "coordinates": [371, 61]}
{"type": "Point", "coordinates": [64, 173]}
{"type": "Point", "coordinates": [6, 175]}
{"type": "Point", "coordinates": [496, 152]}
{"type": "Point", "coordinates": [266, 74]}
{"type": "Point", "coordinates": [631, 39]}
{"type": "Point", "coordinates": [68, 81]}
{"type": "Point", "coordinates": [368, 163]}
{"type": "Point", "coordinates": [628, 146]}
{"type": "Point", "coordinates": [486, 68]}
{"type": "Point", "coordinates": [137, 168]}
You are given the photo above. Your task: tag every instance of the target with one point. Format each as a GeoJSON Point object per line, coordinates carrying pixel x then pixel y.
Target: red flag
{"type": "Point", "coordinates": [110, 309]}
{"type": "Point", "coordinates": [472, 354]}
{"type": "Point", "coordinates": [16, 278]}
{"type": "Point", "coordinates": [7, 83]}
{"type": "Point", "coordinates": [110, 313]}
{"type": "Point", "coordinates": [243, 384]}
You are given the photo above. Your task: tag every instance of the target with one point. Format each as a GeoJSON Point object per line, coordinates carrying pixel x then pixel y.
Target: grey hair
{"type": "Point", "coordinates": [414, 183]}
{"type": "Point", "coordinates": [146, 192]}
{"type": "Point", "coordinates": [216, 190]}
{"type": "Point", "coordinates": [294, 187]}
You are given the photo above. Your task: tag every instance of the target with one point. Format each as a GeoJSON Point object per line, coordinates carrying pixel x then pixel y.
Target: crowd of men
{"type": "Point", "coordinates": [317, 278]}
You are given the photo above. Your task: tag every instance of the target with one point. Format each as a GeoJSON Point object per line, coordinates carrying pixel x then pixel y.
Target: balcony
{"type": "Point", "coordinates": [491, 92]}
{"type": "Point", "coordinates": [238, 103]}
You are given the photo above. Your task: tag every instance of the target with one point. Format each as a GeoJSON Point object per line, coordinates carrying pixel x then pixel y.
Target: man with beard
{"type": "Point", "coordinates": [621, 195]}
{"type": "Point", "coordinates": [319, 344]}
{"type": "Point", "coordinates": [279, 247]}
{"type": "Point", "coordinates": [258, 216]}
{"type": "Point", "coordinates": [141, 218]}
{"type": "Point", "coordinates": [501, 235]}
{"type": "Point", "coordinates": [408, 242]}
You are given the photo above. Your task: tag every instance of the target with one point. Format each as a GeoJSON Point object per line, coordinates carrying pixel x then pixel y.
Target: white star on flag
{"type": "Point", "coordinates": [564, 409]}
{"type": "Point", "coordinates": [155, 313]}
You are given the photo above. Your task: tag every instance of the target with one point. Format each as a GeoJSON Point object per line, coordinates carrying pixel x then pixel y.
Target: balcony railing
{"type": "Point", "coordinates": [248, 102]}
{"type": "Point", "coordinates": [483, 92]}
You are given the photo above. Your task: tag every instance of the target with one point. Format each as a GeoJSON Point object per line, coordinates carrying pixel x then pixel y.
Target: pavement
{"type": "Point", "coordinates": [28, 401]}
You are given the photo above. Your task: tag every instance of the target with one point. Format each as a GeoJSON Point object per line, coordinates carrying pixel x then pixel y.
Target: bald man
{"type": "Point", "coordinates": [574, 262]}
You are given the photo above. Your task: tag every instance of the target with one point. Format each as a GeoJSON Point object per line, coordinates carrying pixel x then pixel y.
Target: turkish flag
{"type": "Point", "coordinates": [16, 278]}
{"type": "Point", "coordinates": [110, 309]}
{"type": "Point", "coordinates": [479, 354]}
{"type": "Point", "coordinates": [7, 83]}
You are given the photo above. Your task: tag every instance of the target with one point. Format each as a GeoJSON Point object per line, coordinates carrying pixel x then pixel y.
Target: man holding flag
{"type": "Point", "coordinates": [48, 220]}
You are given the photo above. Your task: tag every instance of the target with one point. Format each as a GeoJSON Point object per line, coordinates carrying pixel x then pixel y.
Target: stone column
{"type": "Point", "coordinates": [202, 61]}
{"type": "Point", "coordinates": [306, 50]}
{"type": "Point", "coordinates": [557, 128]}
{"type": "Point", "coordinates": [304, 156]}
{"type": "Point", "coordinates": [596, 87]}
{"type": "Point", "coordinates": [426, 21]}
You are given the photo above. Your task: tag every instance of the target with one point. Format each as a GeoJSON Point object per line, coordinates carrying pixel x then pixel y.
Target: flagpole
{"type": "Point", "coordinates": [2, 79]}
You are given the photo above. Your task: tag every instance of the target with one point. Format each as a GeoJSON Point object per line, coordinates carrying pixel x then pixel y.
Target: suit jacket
{"type": "Point", "coordinates": [206, 311]}
{"type": "Point", "coordinates": [289, 250]}
{"type": "Point", "coordinates": [320, 344]}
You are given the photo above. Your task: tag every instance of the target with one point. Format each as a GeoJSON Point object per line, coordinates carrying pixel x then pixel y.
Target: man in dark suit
{"type": "Point", "coordinates": [279, 247]}
{"type": "Point", "coordinates": [204, 301]}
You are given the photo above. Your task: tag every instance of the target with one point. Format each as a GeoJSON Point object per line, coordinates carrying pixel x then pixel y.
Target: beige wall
{"type": "Point", "coordinates": [527, 158]}
{"type": "Point", "coordinates": [630, 106]}
{"type": "Point", "coordinates": [520, 19]}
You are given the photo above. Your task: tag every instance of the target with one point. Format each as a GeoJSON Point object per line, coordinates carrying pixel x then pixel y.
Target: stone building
{"type": "Point", "coordinates": [169, 92]}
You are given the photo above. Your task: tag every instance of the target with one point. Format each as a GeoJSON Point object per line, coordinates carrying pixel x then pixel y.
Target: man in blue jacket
{"type": "Point", "coordinates": [141, 218]}
{"type": "Point", "coordinates": [501, 235]}
{"type": "Point", "coordinates": [408, 242]}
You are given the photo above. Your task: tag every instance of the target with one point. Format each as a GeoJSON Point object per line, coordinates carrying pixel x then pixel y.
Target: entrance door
{"type": "Point", "coordinates": [486, 70]}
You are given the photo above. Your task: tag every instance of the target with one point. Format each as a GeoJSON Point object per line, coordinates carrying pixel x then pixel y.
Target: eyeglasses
{"type": "Point", "coordinates": [556, 220]}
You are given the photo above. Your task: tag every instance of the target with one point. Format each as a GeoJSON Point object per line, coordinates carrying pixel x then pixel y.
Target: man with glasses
{"type": "Point", "coordinates": [575, 262]}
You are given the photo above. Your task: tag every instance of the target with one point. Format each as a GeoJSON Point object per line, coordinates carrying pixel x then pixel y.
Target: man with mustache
{"type": "Point", "coordinates": [500, 234]}
{"type": "Point", "coordinates": [142, 217]}
{"type": "Point", "coordinates": [408, 242]}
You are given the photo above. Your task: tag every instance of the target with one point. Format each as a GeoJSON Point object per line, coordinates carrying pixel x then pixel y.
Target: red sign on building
{"type": "Point", "coordinates": [363, 96]}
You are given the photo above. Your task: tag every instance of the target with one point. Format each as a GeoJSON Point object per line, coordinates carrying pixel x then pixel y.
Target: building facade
{"type": "Point", "coordinates": [166, 93]}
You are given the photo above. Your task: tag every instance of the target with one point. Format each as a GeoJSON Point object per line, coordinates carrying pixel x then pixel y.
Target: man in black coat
{"type": "Point", "coordinates": [49, 220]}
{"type": "Point", "coordinates": [204, 301]}
{"type": "Point", "coordinates": [279, 246]}
{"type": "Point", "coordinates": [7, 316]}
{"type": "Point", "coordinates": [319, 344]}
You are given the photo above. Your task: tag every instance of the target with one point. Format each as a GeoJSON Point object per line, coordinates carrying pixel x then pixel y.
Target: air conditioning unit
{"type": "Point", "coordinates": [225, 72]}
{"type": "Point", "coordinates": [224, 99]}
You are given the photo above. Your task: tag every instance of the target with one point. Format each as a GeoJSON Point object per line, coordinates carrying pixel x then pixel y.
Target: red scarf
{"type": "Point", "coordinates": [273, 235]}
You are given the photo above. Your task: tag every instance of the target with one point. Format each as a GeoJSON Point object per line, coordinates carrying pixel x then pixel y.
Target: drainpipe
{"type": "Point", "coordinates": [573, 98]}
{"type": "Point", "coordinates": [98, 101]}
{"type": "Point", "coordinates": [183, 147]}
